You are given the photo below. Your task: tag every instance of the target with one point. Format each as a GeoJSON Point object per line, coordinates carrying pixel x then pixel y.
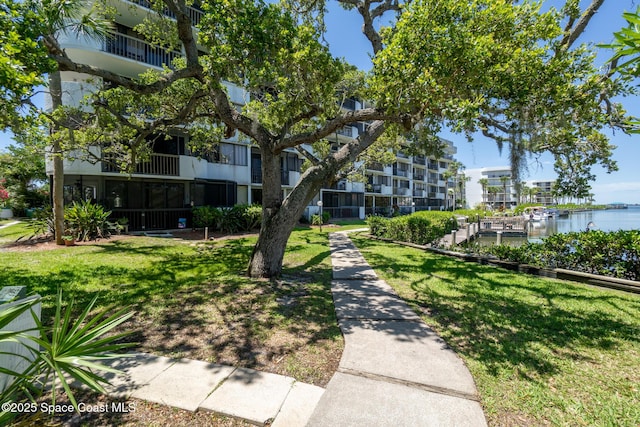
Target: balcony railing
{"type": "Point", "coordinates": [345, 131]}
{"type": "Point", "coordinates": [401, 191]}
{"type": "Point", "coordinates": [418, 177]}
{"type": "Point", "coordinates": [256, 176]}
{"type": "Point", "coordinates": [420, 160]}
{"type": "Point", "coordinates": [195, 14]}
{"type": "Point", "coordinates": [375, 166]}
{"type": "Point", "coordinates": [158, 164]}
{"type": "Point", "coordinates": [433, 166]}
{"type": "Point", "coordinates": [402, 155]}
{"type": "Point", "coordinates": [133, 48]}
{"type": "Point", "coordinates": [349, 104]}
{"type": "Point", "coordinates": [400, 172]}
{"type": "Point", "coordinates": [418, 193]}
{"type": "Point", "coordinates": [340, 185]}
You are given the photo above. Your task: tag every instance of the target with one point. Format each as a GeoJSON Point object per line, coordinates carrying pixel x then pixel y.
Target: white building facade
{"type": "Point", "coordinates": [499, 191]}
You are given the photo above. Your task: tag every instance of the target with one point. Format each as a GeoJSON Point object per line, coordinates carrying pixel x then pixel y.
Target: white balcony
{"type": "Point", "coordinates": [294, 177]}
{"type": "Point", "coordinates": [139, 50]}
{"type": "Point", "coordinates": [401, 191]}
{"type": "Point", "coordinates": [132, 12]}
{"type": "Point", "coordinates": [355, 187]}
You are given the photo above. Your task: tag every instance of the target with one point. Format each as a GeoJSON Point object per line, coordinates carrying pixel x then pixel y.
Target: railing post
{"type": "Point", "coordinates": [498, 237]}
{"type": "Point", "coordinates": [453, 238]}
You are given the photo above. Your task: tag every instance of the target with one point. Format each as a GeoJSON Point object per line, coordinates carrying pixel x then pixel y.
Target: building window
{"type": "Point", "coordinates": [144, 195]}
{"type": "Point", "coordinates": [230, 154]}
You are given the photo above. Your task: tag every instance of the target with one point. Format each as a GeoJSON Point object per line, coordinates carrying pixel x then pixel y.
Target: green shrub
{"type": "Point", "coordinates": [86, 221]}
{"type": "Point", "coordinates": [377, 225]}
{"type": "Point", "coordinates": [614, 254]}
{"type": "Point", "coordinates": [252, 217]}
{"type": "Point", "coordinates": [228, 220]}
{"type": "Point", "coordinates": [206, 216]}
{"type": "Point", "coordinates": [423, 227]}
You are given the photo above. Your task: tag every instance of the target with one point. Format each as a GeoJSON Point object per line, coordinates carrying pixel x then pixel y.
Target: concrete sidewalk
{"type": "Point", "coordinates": [251, 395]}
{"type": "Point", "coordinates": [394, 371]}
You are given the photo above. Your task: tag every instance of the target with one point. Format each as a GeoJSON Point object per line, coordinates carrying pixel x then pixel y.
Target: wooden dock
{"type": "Point", "coordinates": [466, 233]}
{"type": "Point", "coordinates": [508, 226]}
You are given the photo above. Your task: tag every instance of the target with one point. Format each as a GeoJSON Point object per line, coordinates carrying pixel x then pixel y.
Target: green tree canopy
{"type": "Point", "coordinates": [500, 67]}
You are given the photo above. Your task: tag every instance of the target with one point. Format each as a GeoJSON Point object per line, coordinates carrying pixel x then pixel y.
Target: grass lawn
{"type": "Point", "coordinates": [12, 232]}
{"type": "Point", "coordinates": [542, 352]}
{"type": "Point", "coordinates": [193, 300]}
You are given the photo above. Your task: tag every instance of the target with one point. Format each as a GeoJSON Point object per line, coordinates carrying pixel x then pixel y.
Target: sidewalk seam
{"type": "Point", "coordinates": [425, 387]}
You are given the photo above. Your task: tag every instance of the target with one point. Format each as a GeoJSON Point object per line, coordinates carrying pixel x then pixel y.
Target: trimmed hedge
{"type": "Point", "coordinates": [228, 220]}
{"type": "Point", "coordinates": [422, 228]}
{"type": "Point", "coordinates": [613, 254]}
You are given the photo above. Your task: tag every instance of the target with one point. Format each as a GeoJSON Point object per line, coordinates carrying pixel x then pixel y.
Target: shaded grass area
{"type": "Point", "coordinates": [541, 351]}
{"type": "Point", "coordinates": [193, 300]}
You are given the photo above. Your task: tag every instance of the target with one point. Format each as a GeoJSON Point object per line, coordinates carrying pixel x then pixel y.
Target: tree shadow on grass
{"type": "Point", "coordinates": [194, 300]}
{"type": "Point", "coordinates": [505, 319]}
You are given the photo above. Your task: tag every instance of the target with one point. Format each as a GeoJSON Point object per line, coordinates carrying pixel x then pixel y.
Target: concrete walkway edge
{"type": "Point", "coordinates": [394, 370]}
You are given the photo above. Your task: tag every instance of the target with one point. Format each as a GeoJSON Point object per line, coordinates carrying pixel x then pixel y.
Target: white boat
{"type": "Point", "coordinates": [535, 213]}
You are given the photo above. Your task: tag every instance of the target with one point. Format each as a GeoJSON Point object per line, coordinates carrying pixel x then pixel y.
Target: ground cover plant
{"type": "Point", "coordinates": [192, 299]}
{"type": "Point", "coordinates": [613, 253]}
{"type": "Point", "coordinates": [542, 352]}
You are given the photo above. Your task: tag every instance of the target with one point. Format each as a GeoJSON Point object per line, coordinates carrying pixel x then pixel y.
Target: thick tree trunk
{"type": "Point", "coordinates": [279, 217]}
{"type": "Point", "coordinates": [55, 87]}
{"type": "Point", "coordinates": [268, 254]}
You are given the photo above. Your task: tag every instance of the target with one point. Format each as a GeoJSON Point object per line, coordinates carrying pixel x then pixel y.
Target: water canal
{"type": "Point", "coordinates": [605, 220]}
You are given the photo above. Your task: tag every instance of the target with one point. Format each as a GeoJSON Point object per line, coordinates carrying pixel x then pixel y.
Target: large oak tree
{"type": "Point", "coordinates": [500, 67]}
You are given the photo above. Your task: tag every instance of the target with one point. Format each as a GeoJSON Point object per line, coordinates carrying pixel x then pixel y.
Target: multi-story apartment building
{"type": "Point", "coordinates": [544, 194]}
{"type": "Point", "coordinates": [500, 190]}
{"type": "Point", "coordinates": [410, 184]}
{"type": "Point", "coordinates": [166, 187]}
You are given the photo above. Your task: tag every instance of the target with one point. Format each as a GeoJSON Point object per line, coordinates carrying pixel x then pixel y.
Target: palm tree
{"type": "Point", "coordinates": [452, 195]}
{"type": "Point", "coordinates": [524, 193]}
{"type": "Point", "coordinates": [492, 190]}
{"type": "Point", "coordinates": [452, 174]}
{"type": "Point", "coordinates": [68, 17]}
{"type": "Point", "coordinates": [503, 180]}
{"type": "Point", "coordinates": [462, 180]}
{"type": "Point", "coordinates": [484, 182]}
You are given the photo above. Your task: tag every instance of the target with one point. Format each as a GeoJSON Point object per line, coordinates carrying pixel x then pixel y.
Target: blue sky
{"type": "Point", "coordinates": [346, 40]}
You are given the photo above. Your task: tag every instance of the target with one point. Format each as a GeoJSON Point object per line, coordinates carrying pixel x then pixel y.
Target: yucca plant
{"type": "Point", "coordinates": [71, 349]}
{"type": "Point", "coordinates": [87, 220]}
